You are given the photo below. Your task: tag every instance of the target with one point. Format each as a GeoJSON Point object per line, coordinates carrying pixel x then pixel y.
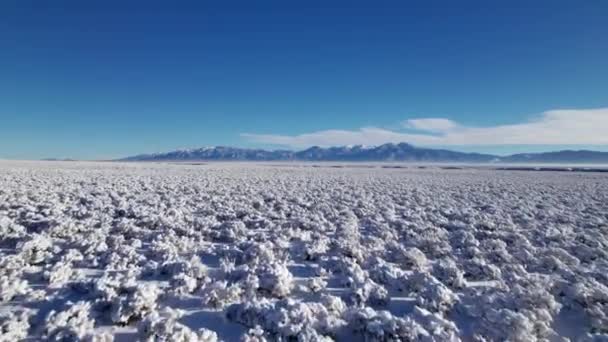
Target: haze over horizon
{"type": "Point", "coordinates": [113, 79]}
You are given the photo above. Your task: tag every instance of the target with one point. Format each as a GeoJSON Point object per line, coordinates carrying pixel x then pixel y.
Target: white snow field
{"type": "Point", "coordinates": [259, 252]}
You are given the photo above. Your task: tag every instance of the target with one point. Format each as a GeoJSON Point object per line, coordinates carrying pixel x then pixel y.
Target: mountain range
{"type": "Point", "coordinates": [387, 152]}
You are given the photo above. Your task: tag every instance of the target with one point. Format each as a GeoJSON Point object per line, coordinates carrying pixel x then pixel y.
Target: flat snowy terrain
{"type": "Point", "coordinates": [251, 252]}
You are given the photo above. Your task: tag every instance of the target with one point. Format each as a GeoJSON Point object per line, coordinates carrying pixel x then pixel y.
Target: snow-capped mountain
{"type": "Point", "coordinates": [386, 152]}
{"type": "Point", "coordinates": [214, 153]}
{"type": "Point", "coordinates": [389, 152]}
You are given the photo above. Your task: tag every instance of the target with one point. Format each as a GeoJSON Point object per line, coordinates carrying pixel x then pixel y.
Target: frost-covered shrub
{"type": "Point", "coordinates": [413, 258]}
{"type": "Point", "coordinates": [71, 324]}
{"type": "Point", "coordinates": [163, 326]}
{"type": "Point", "coordinates": [36, 250]}
{"type": "Point", "coordinates": [11, 287]}
{"type": "Point", "coordinates": [254, 335]}
{"type": "Point", "coordinates": [369, 293]}
{"type": "Point", "coordinates": [436, 297]}
{"type": "Point", "coordinates": [219, 294]}
{"type": "Point", "coordinates": [133, 302]}
{"type": "Point", "coordinates": [588, 254]}
{"type": "Point", "coordinates": [12, 265]}
{"type": "Point", "coordinates": [479, 269]}
{"type": "Point", "coordinates": [433, 244]}
{"type": "Point", "coordinates": [312, 249]}
{"type": "Point", "coordinates": [334, 305]}
{"type": "Point", "coordinates": [440, 328]}
{"type": "Point", "coordinates": [351, 273]}
{"type": "Point", "coordinates": [183, 284]}
{"type": "Point", "coordinates": [429, 292]}
{"type": "Point", "coordinates": [316, 284]}
{"type": "Point", "coordinates": [592, 296]}
{"type": "Point", "coordinates": [349, 248]}
{"type": "Point", "coordinates": [14, 326]}
{"type": "Point", "coordinates": [506, 325]}
{"type": "Point", "coordinates": [59, 274]}
{"type": "Point", "coordinates": [382, 326]}
{"type": "Point", "coordinates": [385, 273]}
{"type": "Point", "coordinates": [122, 258]}
{"type": "Point", "coordinates": [196, 268]}
{"type": "Point", "coordinates": [448, 272]}
{"type": "Point", "coordinates": [230, 231]}
{"type": "Point", "coordinates": [287, 319]}
{"type": "Point", "coordinates": [496, 251]}
{"type": "Point", "coordinates": [124, 299]}
{"type": "Point", "coordinates": [71, 255]}
{"type": "Point", "coordinates": [415, 282]}
{"type": "Point", "coordinates": [563, 256]}
{"type": "Point", "coordinates": [10, 229]}
{"type": "Point", "coordinates": [519, 314]}
{"type": "Point", "coordinates": [551, 264]}
{"type": "Point", "coordinates": [193, 268]}
{"type": "Point", "coordinates": [463, 240]}
{"type": "Point", "coordinates": [275, 279]}
{"type": "Point", "coordinates": [93, 247]}
{"type": "Point", "coordinates": [255, 254]}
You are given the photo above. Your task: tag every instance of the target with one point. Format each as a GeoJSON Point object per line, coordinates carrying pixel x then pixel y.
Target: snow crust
{"type": "Point", "coordinates": [259, 252]}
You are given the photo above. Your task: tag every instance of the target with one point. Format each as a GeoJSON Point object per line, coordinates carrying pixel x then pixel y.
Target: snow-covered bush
{"type": "Point", "coordinates": [316, 284]}
{"type": "Point", "coordinates": [436, 297]}
{"type": "Point", "coordinates": [124, 299]}
{"type": "Point", "coordinates": [182, 284]}
{"type": "Point", "coordinates": [592, 296]}
{"type": "Point", "coordinates": [72, 324]}
{"type": "Point", "coordinates": [11, 287]}
{"type": "Point", "coordinates": [447, 271]}
{"type": "Point", "coordinates": [413, 258]}
{"type": "Point", "coordinates": [230, 231]}
{"type": "Point", "coordinates": [519, 314]}
{"type": "Point", "coordinates": [36, 250]}
{"type": "Point", "coordinates": [385, 273]}
{"type": "Point", "coordinates": [382, 326]}
{"type": "Point", "coordinates": [10, 230]}
{"type": "Point", "coordinates": [164, 326]}
{"type": "Point", "coordinates": [219, 294]}
{"type": "Point", "coordinates": [369, 293]}
{"type": "Point", "coordinates": [14, 326]}
{"type": "Point", "coordinates": [275, 279]}
{"type": "Point", "coordinates": [60, 273]}
{"type": "Point", "coordinates": [254, 335]}
{"type": "Point", "coordinates": [287, 319]}
{"type": "Point", "coordinates": [480, 269]}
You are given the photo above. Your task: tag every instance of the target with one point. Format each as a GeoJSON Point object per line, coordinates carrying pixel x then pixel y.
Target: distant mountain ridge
{"type": "Point", "coordinates": [386, 152]}
{"type": "Point", "coordinates": [564, 156]}
{"type": "Point", "coordinates": [58, 159]}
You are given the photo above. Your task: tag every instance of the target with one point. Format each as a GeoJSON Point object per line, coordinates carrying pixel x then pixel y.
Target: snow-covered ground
{"type": "Point", "coordinates": [102, 251]}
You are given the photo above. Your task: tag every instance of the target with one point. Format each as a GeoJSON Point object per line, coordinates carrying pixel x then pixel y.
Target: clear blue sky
{"type": "Point", "coordinates": [118, 78]}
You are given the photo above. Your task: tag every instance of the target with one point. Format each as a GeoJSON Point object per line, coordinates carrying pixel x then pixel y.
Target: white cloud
{"type": "Point", "coordinates": [555, 127]}
{"type": "Point", "coordinates": [363, 136]}
{"type": "Point", "coordinates": [437, 125]}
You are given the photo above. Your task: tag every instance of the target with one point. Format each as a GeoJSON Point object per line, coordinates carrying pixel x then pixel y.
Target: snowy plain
{"type": "Point", "coordinates": [258, 252]}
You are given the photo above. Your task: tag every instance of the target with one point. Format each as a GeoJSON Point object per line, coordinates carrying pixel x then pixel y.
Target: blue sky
{"type": "Point", "coordinates": [117, 78]}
